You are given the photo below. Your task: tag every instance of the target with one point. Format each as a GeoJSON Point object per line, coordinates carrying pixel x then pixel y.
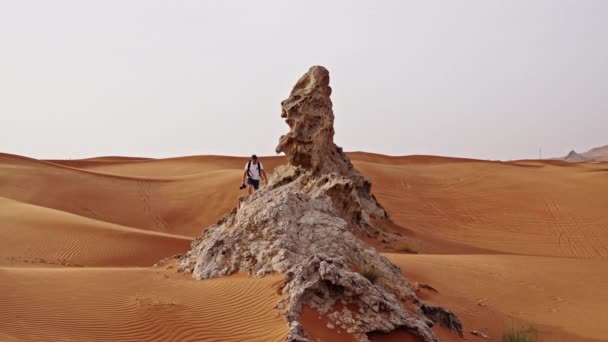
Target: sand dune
{"type": "Point", "coordinates": [126, 304]}
{"type": "Point", "coordinates": [489, 292]}
{"type": "Point", "coordinates": [169, 167]}
{"type": "Point", "coordinates": [177, 205]}
{"type": "Point", "coordinates": [532, 210]}
{"type": "Point", "coordinates": [37, 236]}
{"type": "Point", "coordinates": [538, 229]}
{"type": "Point", "coordinates": [467, 202]}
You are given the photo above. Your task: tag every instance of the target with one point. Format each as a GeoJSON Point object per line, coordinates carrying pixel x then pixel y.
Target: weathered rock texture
{"type": "Point", "coordinates": [310, 146]}
{"type": "Point", "coordinates": [302, 225]}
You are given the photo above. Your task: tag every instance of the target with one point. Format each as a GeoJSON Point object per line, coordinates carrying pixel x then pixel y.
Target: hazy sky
{"type": "Point", "coordinates": [484, 79]}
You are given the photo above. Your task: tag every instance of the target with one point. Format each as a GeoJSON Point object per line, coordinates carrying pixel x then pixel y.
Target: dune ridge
{"type": "Point", "coordinates": [34, 235]}
{"type": "Point", "coordinates": [179, 205]}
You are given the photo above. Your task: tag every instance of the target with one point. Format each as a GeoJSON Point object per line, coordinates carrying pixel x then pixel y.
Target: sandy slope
{"type": "Point", "coordinates": [539, 232]}
{"type": "Point", "coordinates": [32, 235]}
{"type": "Point", "coordinates": [127, 304]}
{"type": "Point", "coordinates": [563, 297]}
{"type": "Point", "coordinates": [597, 154]}
{"type": "Point", "coordinates": [522, 208]}
{"type": "Point", "coordinates": [179, 204]}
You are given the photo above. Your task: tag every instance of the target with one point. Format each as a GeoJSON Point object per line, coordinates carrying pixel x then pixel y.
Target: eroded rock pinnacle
{"type": "Point", "coordinates": [305, 224]}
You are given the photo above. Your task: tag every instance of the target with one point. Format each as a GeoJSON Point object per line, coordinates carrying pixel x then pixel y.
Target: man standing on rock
{"type": "Point", "coordinates": [253, 171]}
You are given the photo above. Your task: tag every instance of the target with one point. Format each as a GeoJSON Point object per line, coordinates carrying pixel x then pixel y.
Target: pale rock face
{"type": "Point", "coordinates": [310, 146]}
{"type": "Point", "coordinates": [302, 225]}
{"type": "Point", "coordinates": [308, 112]}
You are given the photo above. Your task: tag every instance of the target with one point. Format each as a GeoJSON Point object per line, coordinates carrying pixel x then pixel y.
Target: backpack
{"type": "Point", "coordinates": [249, 165]}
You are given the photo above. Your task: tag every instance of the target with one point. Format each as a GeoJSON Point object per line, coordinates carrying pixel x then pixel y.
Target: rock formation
{"type": "Point", "coordinates": [310, 146]}
{"type": "Point", "coordinates": [305, 224]}
{"type": "Point", "coordinates": [597, 154]}
{"type": "Point", "coordinates": [574, 157]}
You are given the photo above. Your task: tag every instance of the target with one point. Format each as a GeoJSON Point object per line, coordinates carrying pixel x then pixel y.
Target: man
{"type": "Point", "coordinates": [253, 171]}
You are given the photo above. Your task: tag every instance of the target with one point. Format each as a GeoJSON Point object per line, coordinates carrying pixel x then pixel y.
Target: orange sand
{"type": "Point", "coordinates": [135, 304]}
{"type": "Point", "coordinates": [522, 241]}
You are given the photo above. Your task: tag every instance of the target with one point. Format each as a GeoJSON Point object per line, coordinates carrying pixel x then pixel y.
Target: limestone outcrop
{"type": "Point", "coordinates": [310, 146]}
{"type": "Point", "coordinates": [305, 224]}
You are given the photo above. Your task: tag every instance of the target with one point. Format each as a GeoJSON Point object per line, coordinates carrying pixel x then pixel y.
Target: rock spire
{"type": "Point", "coordinates": [305, 223]}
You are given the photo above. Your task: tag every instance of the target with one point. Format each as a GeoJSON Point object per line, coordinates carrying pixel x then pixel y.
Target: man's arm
{"type": "Point", "coordinates": [264, 176]}
{"type": "Point", "coordinates": [244, 176]}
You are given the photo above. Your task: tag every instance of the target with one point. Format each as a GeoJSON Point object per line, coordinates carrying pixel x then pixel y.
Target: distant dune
{"type": "Point", "coordinates": [503, 242]}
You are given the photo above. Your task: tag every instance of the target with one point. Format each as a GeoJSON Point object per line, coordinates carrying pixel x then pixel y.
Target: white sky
{"type": "Point", "coordinates": [483, 79]}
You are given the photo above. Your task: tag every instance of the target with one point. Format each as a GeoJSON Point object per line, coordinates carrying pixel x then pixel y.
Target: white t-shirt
{"type": "Point", "coordinates": [253, 170]}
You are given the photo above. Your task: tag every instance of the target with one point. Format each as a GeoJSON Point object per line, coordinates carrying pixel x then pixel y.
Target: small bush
{"type": "Point", "coordinates": [520, 334]}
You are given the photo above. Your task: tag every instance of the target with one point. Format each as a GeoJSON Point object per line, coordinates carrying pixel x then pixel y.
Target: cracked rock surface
{"type": "Point", "coordinates": [305, 224]}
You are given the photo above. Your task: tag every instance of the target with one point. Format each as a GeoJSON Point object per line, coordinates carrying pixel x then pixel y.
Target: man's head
{"type": "Point", "coordinates": [254, 158]}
